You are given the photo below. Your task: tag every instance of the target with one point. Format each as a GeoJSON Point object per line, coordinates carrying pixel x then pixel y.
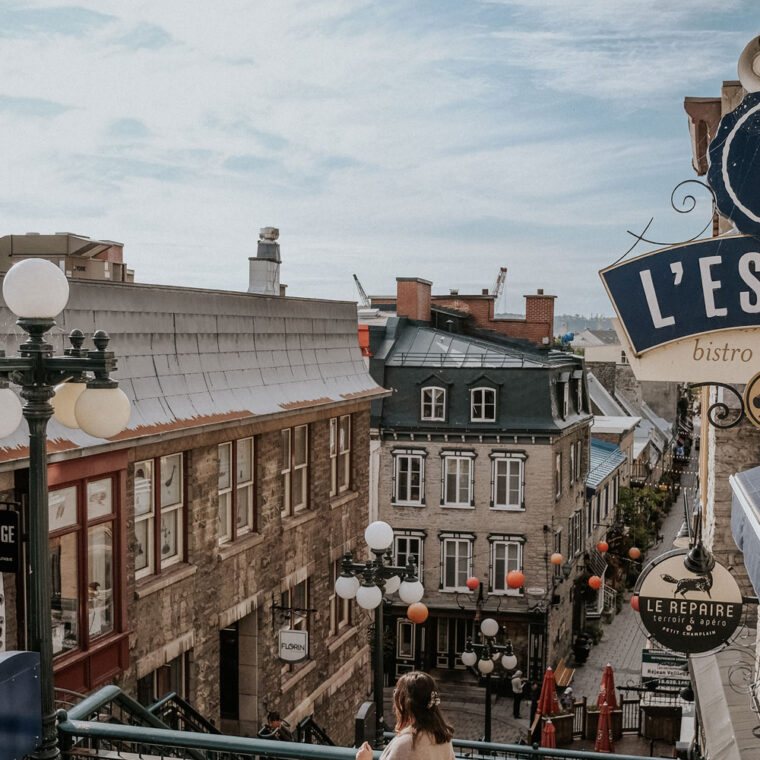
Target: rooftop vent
{"type": "Point", "coordinates": [264, 273]}
{"type": "Point", "coordinates": [454, 292]}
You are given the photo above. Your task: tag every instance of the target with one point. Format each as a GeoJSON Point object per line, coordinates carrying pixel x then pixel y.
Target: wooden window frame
{"type": "Point", "coordinates": [341, 470]}
{"type": "Point", "coordinates": [234, 487]}
{"type": "Point", "coordinates": [290, 469]}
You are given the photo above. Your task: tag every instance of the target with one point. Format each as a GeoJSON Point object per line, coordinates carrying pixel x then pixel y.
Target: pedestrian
{"type": "Point", "coordinates": [422, 732]}
{"type": "Point", "coordinates": [534, 694]}
{"type": "Point", "coordinates": [518, 685]}
{"type": "Point", "coordinates": [277, 728]}
{"type": "Point", "coordinates": [568, 699]}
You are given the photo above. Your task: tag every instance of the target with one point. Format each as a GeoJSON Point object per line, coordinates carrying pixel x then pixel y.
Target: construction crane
{"type": "Point", "coordinates": [498, 286]}
{"type": "Point", "coordinates": [364, 301]}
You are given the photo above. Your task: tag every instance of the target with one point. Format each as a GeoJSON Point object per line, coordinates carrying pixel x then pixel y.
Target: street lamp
{"type": "Point", "coordinates": [485, 655]}
{"type": "Point", "coordinates": [36, 291]}
{"type": "Point", "coordinates": [378, 576]}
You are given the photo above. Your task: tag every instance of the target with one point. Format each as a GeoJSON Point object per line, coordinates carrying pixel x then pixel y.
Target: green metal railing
{"type": "Point", "coordinates": [86, 732]}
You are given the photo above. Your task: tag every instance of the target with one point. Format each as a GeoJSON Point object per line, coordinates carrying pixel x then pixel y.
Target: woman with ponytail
{"type": "Point", "coordinates": [422, 732]}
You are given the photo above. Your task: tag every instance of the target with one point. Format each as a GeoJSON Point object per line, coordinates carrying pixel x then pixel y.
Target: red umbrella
{"type": "Point", "coordinates": [604, 741]}
{"type": "Point", "coordinates": [607, 689]}
{"type": "Point", "coordinates": [548, 704]}
{"type": "Point", "coordinates": [548, 735]}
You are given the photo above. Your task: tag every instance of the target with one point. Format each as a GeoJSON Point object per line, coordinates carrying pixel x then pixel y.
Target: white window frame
{"type": "Point", "coordinates": [572, 463]}
{"type": "Point", "coordinates": [149, 517]}
{"type": "Point", "coordinates": [407, 456]}
{"type": "Point", "coordinates": [579, 460]}
{"type": "Point", "coordinates": [498, 583]}
{"type": "Point", "coordinates": [340, 454]}
{"type": "Point", "coordinates": [224, 493]}
{"type": "Point", "coordinates": [245, 485]}
{"type": "Point", "coordinates": [558, 475]}
{"type": "Point", "coordinates": [459, 542]}
{"type": "Point", "coordinates": [482, 404]}
{"type": "Point", "coordinates": [509, 459]}
{"type": "Point", "coordinates": [290, 470]}
{"type": "Point", "coordinates": [458, 457]}
{"type": "Point", "coordinates": [575, 534]}
{"type": "Point", "coordinates": [409, 535]}
{"type": "Point", "coordinates": [579, 395]}
{"type": "Point", "coordinates": [565, 400]}
{"type": "Point", "coordinates": [436, 398]}
{"type": "Point", "coordinates": [178, 507]}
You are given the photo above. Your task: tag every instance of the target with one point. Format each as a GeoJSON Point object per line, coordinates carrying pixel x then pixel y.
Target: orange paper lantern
{"type": "Point", "coordinates": [635, 602]}
{"type": "Point", "coordinates": [595, 582]}
{"type": "Point", "coordinates": [556, 558]}
{"type": "Point", "coordinates": [417, 612]}
{"type": "Point", "coordinates": [603, 546]}
{"type": "Point", "coordinates": [634, 552]}
{"type": "Point", "coordinates": [515, 579]}
{"type": "Point", "coordinates": [472, 583]}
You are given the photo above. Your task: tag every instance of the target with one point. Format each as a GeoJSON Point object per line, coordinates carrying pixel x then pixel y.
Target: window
{"type": "Point", "coordinates": [578, 459]}
{"type": "Point", "coordinates": [483, 405]}
{"type": "Point", "coordinates": [507, 475]}
{"type": "Point", "coordinates": [407, 547]}
{"type": "Point", "coordinates": [236, 493]}
{"type": "Point", "coordinates": [81, 546]}
{"type": "Point", "coordinates": [558, 475]}
{"type": "Point", "coordinates": [558, 550]}
{"type": "Point", "coordinates": [579, 394]}
{"type": "Point", "coordinates": [294, 456]}
{"type": "Point", "coordinates": [409, 478]}
{"type": "Point", "coordinates": [456, 564]}
{"type": "Point", "coordinates": [589, 517]}
{"type": "Point", "coordinates": [598, 504]}
{"type": "Point", "coordinates": [572, 463]}
{"type": "Point", "coordinates": [457, 483]}
{"type": "Point", "coordinates": [506, 556]}
{"type": "Point", "coordinates": [340, 609]}
{"type": "Point", "coordinates": [159, 547]}
{"type": "Point", "coordinates": [606, 499]}
{"type": "Point", "coordinates": [575, 534]}
{"type": "Point", "coordinates": [172, 677]}
{"type": "Point", "coordinates": [433, 404]}
{"type": "Point", "coordinates": [565, 400]}
{"type": "Point", "coordinates": [340, 454]}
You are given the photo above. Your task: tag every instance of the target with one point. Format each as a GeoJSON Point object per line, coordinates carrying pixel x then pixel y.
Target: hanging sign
{"type": "Point", "coordinates": [9, 541]}
{"type": "Point", "coordinates": [294, 645]}
{"type": "Point", "coordinates": [685, 611]}
{"type": "Point", "coordinates": [752, 400]}
{"type": "Point", "coordinates": [669, 668]}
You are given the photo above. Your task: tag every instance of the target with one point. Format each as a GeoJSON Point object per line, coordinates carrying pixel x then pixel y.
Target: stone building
{"type": "Point", "coordinates": [182, 547]}
{"type": "Point", "coordinates": [482, 460]}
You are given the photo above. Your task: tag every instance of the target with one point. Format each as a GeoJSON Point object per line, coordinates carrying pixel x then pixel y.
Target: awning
{"type": "Point", "coordinates": [745, 520]}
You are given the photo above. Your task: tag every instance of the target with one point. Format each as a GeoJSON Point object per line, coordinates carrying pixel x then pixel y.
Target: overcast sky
{"type": "Point", "coordinates": [438, 138]}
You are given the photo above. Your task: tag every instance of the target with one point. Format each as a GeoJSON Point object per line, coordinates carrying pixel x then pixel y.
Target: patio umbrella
{"type": "Point", "coordinates": [548, 704]}
{"type": "Point", "coordinates": [548, 735]}
{"type": "Point", "coordinates": [607, 689]}
{"type": "Point", "coordinates": [604, 741]}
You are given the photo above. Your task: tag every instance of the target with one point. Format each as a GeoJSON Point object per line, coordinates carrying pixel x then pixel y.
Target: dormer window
{"type": "Point", "coordinates": [483, 405]}
{"type": "Point", "coordinates": [433, 404]}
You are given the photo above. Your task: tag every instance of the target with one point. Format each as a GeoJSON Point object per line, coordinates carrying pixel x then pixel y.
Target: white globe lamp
{"type": "Point", "coordinates": [485, 666]}
{"type": "Point", "coordinates": [392, 584]}
{"type": "Point", "coordinates": [489, 627]}
{"type": "Point", "coordinates": [64, 402]}
{"type": "Point", "coordinates": [378, 535]}
{"type": "Point", "coordinates": [10, 412]}
{"type": "Point", "coordinates": [509, 662]}
{"type": "Point", "coordinates": [469, 659]}
{"type": "Point", "coordinates": [411, 591]}
{"type": "Point", "coordinates": [35, 288]}
{"type": "Point", "coordinates": [102, 412]}
{"type": "Point", "coordinates": [369, 597]}
{"type": "Point", "coordinates": [346, 586]}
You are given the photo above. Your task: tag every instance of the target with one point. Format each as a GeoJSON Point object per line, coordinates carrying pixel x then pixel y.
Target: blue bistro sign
{"type": "Point", "coordinates": [687, 290]}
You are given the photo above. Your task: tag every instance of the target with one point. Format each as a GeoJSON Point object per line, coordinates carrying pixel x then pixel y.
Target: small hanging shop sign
{"type": "Point", "coordinates": [686, 611]}
{"type": "Point", "coordinates": [293, 645]}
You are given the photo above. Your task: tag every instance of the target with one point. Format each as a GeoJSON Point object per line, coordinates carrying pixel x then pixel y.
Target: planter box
{"type": "Point", "coordinates": [662, 722]}
{"type": "Point", "coordinates": [563, 725]}
{"type": "Point", "coordinates": [592, 723]}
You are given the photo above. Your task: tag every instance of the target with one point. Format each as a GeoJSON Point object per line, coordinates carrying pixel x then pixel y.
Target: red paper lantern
{"type": "Point", "coordinates": [515, 579]}
{"type": "Point", "coordinates": [595, 582]}
{"type": "Point", "coordinates": [634, 552]}
{"type": "Point", "coordinates": [603, 546]}
{"type": "Point", "coordinates": [417, 612]}
{"type": "Point", "coordinates": [635, 602]}
{"type": "Point", "coordinates": [556, 558]}
{"type": "Point", "coordinates": [472, 583]}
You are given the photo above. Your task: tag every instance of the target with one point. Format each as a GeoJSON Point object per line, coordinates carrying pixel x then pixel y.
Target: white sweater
{"type": "Point", "coordinates": [403, 747]}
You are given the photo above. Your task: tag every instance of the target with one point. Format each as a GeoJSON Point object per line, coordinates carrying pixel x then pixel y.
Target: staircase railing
{"type": "Point", "coordinates": [180, 715]}
{"type": "Point", "coordinates": [309, 732]}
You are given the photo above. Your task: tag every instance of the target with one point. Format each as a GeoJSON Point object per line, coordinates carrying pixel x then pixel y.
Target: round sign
{"type": "Point", "coordinates": [732, 174]}
{"type": "Point", "coordinates": [752, 400]}
{"type": "Point", "coordinates": [686, 611]}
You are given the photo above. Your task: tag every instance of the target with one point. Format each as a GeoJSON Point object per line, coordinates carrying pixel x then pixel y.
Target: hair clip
{"type": "Point", "coordinates": [435, 700]}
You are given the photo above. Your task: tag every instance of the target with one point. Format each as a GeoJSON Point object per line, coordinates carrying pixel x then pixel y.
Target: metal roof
{"type": "Point", "coordinates": [604, 459]}
{"type": "Point", "coordinates": [189, 357]}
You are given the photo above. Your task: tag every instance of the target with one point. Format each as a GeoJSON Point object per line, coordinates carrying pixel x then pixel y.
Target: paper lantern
{"type": "Point", "coordinates": [417, 612]}
{"type": "Point", "coordinates": [602, 546]}
{"type": "Point", "coordinates": [556, 558]}
{"type": "Point", "coordinates": [635, 602]}
{"type": "Point", "coordinates": [595, 582]}
{"type": "Point", "coordinates": [634, 552]}
{"type": "Point", "coordinates": [515, 579]}
{"type": "Point", "coordinates": [472, 583]}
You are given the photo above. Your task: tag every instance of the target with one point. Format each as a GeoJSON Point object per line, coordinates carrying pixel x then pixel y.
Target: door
{"type": "Point", "coordinates": [405, 646]}
{"type": "Point", "coordinates": [229, 663]}
{"type": "Point", "coordinates": [536, 664]}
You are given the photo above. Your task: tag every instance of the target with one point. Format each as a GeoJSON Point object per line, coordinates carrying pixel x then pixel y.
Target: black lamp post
{"type": "Point", "coordinates": [37, 291]}
{"type": "Point", "coordinates": [484, 654]}
{"type": "Point", "coordinates": [379, 577]}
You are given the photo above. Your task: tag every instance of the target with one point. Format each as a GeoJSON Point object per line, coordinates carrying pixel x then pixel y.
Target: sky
{"type": "Point", "coordinates": [432, 138]}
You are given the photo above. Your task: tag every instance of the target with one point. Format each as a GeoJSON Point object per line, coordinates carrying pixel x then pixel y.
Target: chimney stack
{"type": "Point", "coordinates": [413, 298]}
{"type": "Point", "coordinates": [264, 277]}
{"type": "Point", "coordinates": [539, 309]}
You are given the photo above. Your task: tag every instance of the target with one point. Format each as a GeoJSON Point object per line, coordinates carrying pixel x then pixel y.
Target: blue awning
{"type": "Point", "coordinates": [745, 520]}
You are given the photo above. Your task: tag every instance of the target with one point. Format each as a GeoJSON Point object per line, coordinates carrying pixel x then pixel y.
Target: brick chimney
{"type": "Point", "coordinates": [540, 309]}
{"type": "Point", "coordinates": [413, 298]}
